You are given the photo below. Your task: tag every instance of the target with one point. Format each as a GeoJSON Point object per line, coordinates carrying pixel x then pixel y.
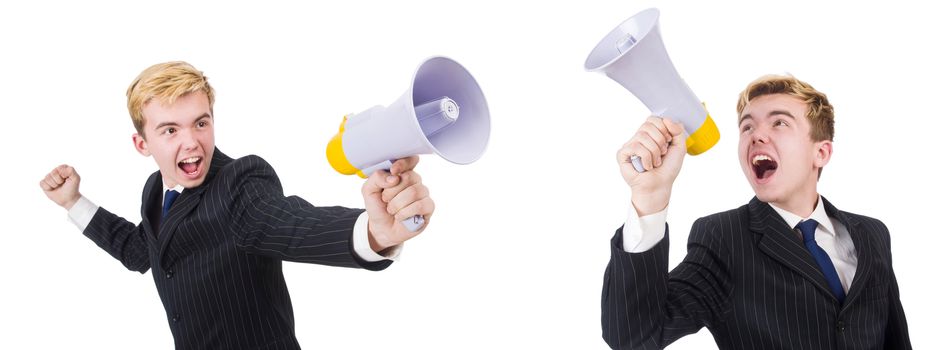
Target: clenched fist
{"type": "Point", "coordinates": [660, 142]}
{"type": "Point", "coordinates": [390, 198]}
{"type": "Point", "coordinates": [62, 186]}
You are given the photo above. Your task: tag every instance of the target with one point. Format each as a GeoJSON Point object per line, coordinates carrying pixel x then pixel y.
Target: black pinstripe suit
{"type": "Point", "coordinates": [216, 259]}
{"type": "Point", "coordinates": [750, 281]}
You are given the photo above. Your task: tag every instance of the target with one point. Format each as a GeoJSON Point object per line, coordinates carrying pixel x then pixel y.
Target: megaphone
{"type": "Point", "coordinates": [443, 112]}
{"type": "Point", "coordinates": [634, 55]}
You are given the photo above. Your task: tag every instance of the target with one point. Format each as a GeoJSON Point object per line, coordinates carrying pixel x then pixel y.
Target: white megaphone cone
{"type": "Point", "coordinates": [443, 112]}
{"type": "Point", "coordinates": [634, 55]}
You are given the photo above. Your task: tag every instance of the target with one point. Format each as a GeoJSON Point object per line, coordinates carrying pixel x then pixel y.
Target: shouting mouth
{"type": "Point", "coordinates": [763, 166]}
{"type": "Point", "coordinates": [190, 165]}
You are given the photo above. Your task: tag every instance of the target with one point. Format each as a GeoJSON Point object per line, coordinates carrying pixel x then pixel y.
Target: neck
{"type": "Point", "coordinates": [168, 184]}
{"type": "Point", "coordinates": [802, 205]}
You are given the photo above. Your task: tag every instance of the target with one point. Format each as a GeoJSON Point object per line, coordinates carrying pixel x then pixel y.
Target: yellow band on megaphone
{"type": "Point", "coordinates": [336, 156]}
{"type": "Point", "coordinates": [703, 138]}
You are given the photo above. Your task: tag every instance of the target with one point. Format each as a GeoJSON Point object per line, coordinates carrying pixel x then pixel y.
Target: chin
{"type": "Point", "coordinates": [763, 192]}
{"type": "Point", "coordinates": [768, 194]}
{"type": "Point", "coordinates": [764, 188]}
{"type": "Point", "coordinates": [766, 198]}
{"type": "Point", "coordinates": [192, 183]}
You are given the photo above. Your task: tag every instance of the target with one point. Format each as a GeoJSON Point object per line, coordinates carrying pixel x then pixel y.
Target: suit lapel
{"type": "Point", "coordinates": [186, 203]}
{"type": "Point", "coordinates": [150, 202]}
{"type": "Point", "coordinates": [864, 251]}
{"type": "Point", "coordinates": [781, 242]}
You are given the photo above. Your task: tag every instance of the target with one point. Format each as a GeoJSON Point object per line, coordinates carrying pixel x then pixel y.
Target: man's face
{"type": "Point", "coordinates": [776, 153]}
{"type": "Point", "coordinates": [180, 137]}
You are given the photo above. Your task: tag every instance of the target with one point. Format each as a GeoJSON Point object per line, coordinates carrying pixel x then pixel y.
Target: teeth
{"type": "Point", "coordinates": [761, 157]}
{"type": "Point", "coordinates": [190, 160]}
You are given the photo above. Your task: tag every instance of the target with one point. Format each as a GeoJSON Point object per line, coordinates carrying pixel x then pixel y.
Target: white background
{"type": "Point", "coordinates": [515, 253]}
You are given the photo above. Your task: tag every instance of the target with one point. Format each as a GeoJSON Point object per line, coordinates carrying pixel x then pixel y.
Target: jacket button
{"type": "Point", "coordinates": [840, 326]}
{"type": "Point", "coordinates": [168, 274]}
{"type": "Point", "coordinates": [175, 318]}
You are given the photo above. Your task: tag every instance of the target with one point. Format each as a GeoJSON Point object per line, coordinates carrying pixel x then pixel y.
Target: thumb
{"type": "Point", "coordinates": [404, 164]}
{"type": "Point", "coordinates": [678, 133]}
{"type": "Point", "coordinates": [677, 149]}
{"type": "Point", "coordinates": [67, 172]}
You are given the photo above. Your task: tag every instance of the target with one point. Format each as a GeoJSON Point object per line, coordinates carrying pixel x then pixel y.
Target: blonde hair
{"type": "Point", "coordinates": [819, 113]}
{"type": "Point", "coordinates": [166, 82]}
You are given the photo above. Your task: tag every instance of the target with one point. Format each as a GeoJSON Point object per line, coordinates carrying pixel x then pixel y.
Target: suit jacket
{"type": "Point", "coordinates": [216, 257]}
{"type": "Point", "coordinates": [748, 278]}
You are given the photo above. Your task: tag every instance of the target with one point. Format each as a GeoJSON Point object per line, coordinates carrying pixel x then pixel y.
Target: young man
{"type": "Point", "coordinates": [214, 230]}
{"type": "Point", "coordinates": [786, 271]}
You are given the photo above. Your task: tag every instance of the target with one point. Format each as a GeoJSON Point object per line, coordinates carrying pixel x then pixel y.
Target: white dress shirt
{"type": "Point", "coordinates": [639, 234]}
{"type": "Point", "coordinates": [83, 211]}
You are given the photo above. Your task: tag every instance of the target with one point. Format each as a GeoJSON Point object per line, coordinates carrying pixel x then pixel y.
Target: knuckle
{"type": "Point", "coordinates": [412, 209]}
{"type": "Point", "coordinates": [411, 191]}
{"type": "Point", "coordinates": [631, 144]}
{"type": "Point", "coordinates": [368, 187]}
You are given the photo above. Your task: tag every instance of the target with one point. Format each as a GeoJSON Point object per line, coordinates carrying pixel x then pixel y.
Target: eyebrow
{"type": "Point", "coordinates": [771, 114]}
{"type": "Point", "coordinates": [162, 125]}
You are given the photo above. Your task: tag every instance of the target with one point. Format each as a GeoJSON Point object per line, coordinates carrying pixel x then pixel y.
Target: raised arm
{"type": "Point", "coordinates": [122, 239]}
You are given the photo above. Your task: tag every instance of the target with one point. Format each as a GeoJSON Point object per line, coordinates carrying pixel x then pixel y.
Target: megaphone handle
{"type": "Point", "coordinates": [636, 162]}
{"type": "Point", "coordinates": [414, 223]}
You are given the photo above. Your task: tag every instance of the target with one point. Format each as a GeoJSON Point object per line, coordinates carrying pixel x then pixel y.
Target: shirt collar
{"type": "Point", "coordinates": [177, 188]}
{"type": "Point", "coordinates": [819, 214]}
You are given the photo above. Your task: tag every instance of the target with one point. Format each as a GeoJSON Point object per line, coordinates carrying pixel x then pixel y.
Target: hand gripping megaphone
{"type": "Point", "coordinates": [634, 55]}
{"type": "Point", "coordinates": [443, 112]}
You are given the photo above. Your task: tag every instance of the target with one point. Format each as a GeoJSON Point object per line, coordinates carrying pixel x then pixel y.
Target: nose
{"type": "Point", "coordinates": [189, 141]}
{"type": "Point", "coordinates": [758, 136]}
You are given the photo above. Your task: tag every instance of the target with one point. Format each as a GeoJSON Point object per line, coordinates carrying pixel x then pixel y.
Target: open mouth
{"type": "Point", "coordinates": [190, 165]}
{"type": "Point", "coordinates": [763, 166]}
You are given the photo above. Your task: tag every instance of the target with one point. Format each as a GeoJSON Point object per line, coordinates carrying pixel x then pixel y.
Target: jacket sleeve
{"type": "Point", "coordinates": [289, 228]}
{"type": "Point", "coordinates": [120, 238]}
{"type": "Point", "coordinates": [645, 307]}
{"type": "Point", "coordinates": [897, 331]}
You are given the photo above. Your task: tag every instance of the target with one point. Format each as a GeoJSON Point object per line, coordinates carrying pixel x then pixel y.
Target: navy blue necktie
{"type": "Point", "coordinates": [170, 197]}
{"type": "Point", "coordinates": [808, 229]}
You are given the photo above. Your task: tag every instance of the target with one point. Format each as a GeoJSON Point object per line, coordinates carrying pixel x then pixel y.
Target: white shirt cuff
{"type": "Point", "coordinates": [362, 243]}
{"type": "Point", "coordinates": [82, 212]}
{"type": "Point", "coordinates": [642, 233]}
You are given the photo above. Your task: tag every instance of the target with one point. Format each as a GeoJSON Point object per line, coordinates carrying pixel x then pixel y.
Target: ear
{"type": "Point", "coordinates": [824, 150]}
{"type": "Point", "coordinates": [141, 145]}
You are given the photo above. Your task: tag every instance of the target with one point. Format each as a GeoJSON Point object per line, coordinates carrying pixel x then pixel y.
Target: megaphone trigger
{"type": "Point", "coordinates": [636, 162]}
{"type": "Point", "coordinates": [414, 223]}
